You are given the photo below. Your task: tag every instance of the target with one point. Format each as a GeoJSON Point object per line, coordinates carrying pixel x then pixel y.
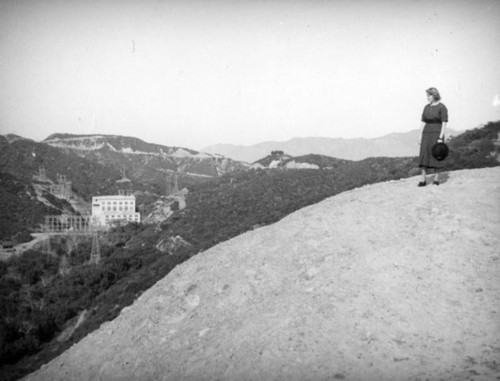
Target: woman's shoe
{"type": "Point", "coordinates": [422, 184]}
{"type": "Point", "coordinates": [435, 182]}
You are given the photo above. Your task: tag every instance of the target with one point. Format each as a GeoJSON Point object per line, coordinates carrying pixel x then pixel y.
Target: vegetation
{"type": "Point", "coordinates": [477, 148]}
{"type": "Point", "coordinates": [39, 299]}
{"type": "Point", "coordinates": [20, 209]}
{"type": "Point", "coordinates": [223, 208]}
{"type": "Point", "coordinates": [41, 294]}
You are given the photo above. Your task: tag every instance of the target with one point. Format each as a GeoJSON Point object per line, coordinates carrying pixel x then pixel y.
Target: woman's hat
{"type": "Point", "coordinates": [440, 151]}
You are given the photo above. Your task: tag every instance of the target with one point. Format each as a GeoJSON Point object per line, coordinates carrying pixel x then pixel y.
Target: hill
{"type": "Point", "coordinates": [134, 257]}
{"type": "Point", "coordinates": [385, 282]}
{"type": "Point", "coordinates": [391, 145]}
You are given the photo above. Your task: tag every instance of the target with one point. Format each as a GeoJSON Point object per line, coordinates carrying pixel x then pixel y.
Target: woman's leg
{"type": "Point", "coordinates": [436, 176]}
{"type": "Point", "coordinates": [422, 183]}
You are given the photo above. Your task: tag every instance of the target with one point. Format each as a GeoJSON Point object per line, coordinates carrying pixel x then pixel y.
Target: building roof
{"type": "Point", "coordinates": [114, 197]}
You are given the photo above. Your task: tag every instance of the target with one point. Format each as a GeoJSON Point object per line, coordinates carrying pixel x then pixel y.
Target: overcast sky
{"type": "Point", "coordinates": [194, 73]}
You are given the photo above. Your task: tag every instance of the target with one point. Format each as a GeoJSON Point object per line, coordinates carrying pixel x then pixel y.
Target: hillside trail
{"type": "Point", "coordinates": [384, 282]}
{"type": "Point", "coordinates": [20, 248]}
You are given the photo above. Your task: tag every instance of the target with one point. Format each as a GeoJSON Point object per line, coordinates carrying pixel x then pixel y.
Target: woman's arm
{"type": "Point", "coordinates": [422, 125]}
{"type": "Point", "coordinates": [443, 130]}
{"type": "Point", "coordinates": [443, 113]}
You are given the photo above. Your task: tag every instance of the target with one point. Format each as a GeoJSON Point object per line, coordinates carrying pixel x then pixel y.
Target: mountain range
{"type": "Point", "coordinates": [391, 145]}
{"type": "Point", "coordinates": [105, 164]}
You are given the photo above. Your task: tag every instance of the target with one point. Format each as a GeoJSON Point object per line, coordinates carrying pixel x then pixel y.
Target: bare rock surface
{"type": "Point", "coordinates": [385, 282]}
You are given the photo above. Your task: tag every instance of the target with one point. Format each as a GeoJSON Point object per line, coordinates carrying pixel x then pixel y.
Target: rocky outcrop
{"type": "Point", "coordinates": [385, 282]}
{"type": "Point", "coordinates": [171, 244]}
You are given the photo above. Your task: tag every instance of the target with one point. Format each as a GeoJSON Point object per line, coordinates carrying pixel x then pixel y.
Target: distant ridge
{"type": "Point", "coordinates": [13, 138]}
{"type": "Point", "coordinates": [137, 154]}
{"type": "Point", "coordinates": [391, 145]}
{"type": "Point", "coordinates": [118, 143]}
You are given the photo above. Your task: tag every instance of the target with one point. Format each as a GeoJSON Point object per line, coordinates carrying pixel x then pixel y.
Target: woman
{"type": "Point", "coordinates": [434, 120]}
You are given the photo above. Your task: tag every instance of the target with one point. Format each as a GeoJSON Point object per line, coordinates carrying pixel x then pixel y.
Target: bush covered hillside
{"type": "Point", "coordinates": [20, 209]}
{"type": "Point", "coordinates": [475, 148]}
{"type": "Point", "coordinates": [220, 209]}
{"type": "Point", "coordinates": [42, 296]}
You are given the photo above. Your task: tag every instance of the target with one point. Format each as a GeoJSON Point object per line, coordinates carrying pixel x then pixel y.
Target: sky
{"type": "Point", "coordinates": [196, 73]}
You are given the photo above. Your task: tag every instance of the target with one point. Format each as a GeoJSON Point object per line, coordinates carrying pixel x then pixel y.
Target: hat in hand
{"type": "Point", "coordinates": [440, 151]}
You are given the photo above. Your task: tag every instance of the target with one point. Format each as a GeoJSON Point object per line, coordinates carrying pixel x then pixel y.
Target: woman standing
{"type": "Point", "coordinates": [434, 119]}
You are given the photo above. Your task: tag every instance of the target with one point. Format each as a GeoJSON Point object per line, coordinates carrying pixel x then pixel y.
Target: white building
{"type": "Point", "coordinates": [110, 210]}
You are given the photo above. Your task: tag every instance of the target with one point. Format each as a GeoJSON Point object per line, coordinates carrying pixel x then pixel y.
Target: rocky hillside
{"type": "Point", "coordinates": [386, 282]}
{"type": "Point", "coordinates": [311, 161]}
{"type": "Point", "coordinates": [142, 160]}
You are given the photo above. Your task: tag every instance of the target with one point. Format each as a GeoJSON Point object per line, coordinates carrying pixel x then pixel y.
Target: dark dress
{"type": "Point", "coordinates": [433, 116]}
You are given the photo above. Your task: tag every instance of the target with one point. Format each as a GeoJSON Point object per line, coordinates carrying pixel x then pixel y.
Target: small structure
{"type": "Point", "coordinates": [62, 189]}
{"type": "Point", "coordinates": [7, 245]}
{"type": "Point", "coordinates": [125, 192]}
{"type": "Point", "coordinates": [67, 224]}
{"type": "Point", "coordinates": [114, 209]}
{"type": "Point", "coordinates": [41, 175]}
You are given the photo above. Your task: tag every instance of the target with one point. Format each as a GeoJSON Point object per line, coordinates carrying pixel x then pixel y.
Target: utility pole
{"type": "Point", "coordinates": [64, 267]}
{"type": "Point", "coordinates": [95, 254]}
{"type": "Point", "coordinates": [46, 246]}
{"type": "Point", "coordinates": [172, 184]}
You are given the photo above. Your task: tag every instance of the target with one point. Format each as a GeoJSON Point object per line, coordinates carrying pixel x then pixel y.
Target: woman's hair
{"type": "Point", "coordinates": [434, 92]}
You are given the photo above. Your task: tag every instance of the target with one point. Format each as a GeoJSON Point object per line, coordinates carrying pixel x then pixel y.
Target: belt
{"type": "Point", "coordinates": [433, 122]}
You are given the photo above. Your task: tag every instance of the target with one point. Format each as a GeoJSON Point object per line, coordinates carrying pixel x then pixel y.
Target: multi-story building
{"type": "Point", "coordinates": [113, 210]}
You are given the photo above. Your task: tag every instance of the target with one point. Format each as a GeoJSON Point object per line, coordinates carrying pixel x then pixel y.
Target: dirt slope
{"type": "Point", "coordinates": [385, 282]}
